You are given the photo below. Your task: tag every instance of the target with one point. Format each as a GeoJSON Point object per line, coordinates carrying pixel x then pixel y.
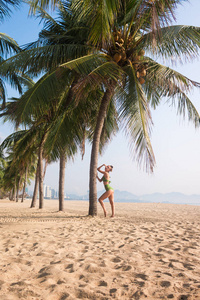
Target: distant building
{"type": "Point", "coordinates": [44, 190]}
{"type": "Point", "coordinates": [48, 192]}
{"type": "Point", "coordinates": [54, 194]}
{"type": "Point", "coordinates": [30, 193]}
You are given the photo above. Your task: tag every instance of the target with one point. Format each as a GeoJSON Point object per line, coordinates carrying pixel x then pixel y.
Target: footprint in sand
{"type": "Point", "coordinates": [102, 283]}
{"type": "Point", "coordinates": [126, 268]}
{"type": "Point", "coordinates": [183, 297]}
{"type": "Point", "coordinates": [64, 296]}
{"type": "Point", "coordinates": [71, 268]}
{"type": "Point", "coordinates": [188, 266]}
{"type": "Point", "coordinates": [165, 283]}
{"type": "Point", "coordinates": [142, 276]}
{"type": "Point", "coordinates": [116, 259]}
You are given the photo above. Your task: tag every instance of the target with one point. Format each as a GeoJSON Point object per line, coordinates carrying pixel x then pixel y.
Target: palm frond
{"type": "Point", "coordinates": [41, 59]}
{"type": "Point", "coordinates": [179, 41]}
{"type": "Point", "coordinates": [184, 105]}
{"type": "Point", "coordinates": [5, 8]}
{"type": "Point", "coordinates": [101, 74]}
{"type": "Point", "coordinates": [36, 101]}
{"type": "Point", "coordinates": [44, 4]}
{"type": "Point", "coordinates": [136, 117]}
{"type": "Point", "coordinates": [100, 18]}
{"type": "Point", "coordinates": [164, 82]}
{"type": "Point", "coordinates": [8, 45]}
{"type": "Point", "coordinates": [2, 93]}
{"type": "Point", "coordinates": [168, 78]}
{"type": "Point", "coordinates": [12, 139]}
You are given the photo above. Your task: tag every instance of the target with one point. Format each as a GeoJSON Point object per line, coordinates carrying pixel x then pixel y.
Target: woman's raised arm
{"type": "Point", "coordinates": [99, 169]}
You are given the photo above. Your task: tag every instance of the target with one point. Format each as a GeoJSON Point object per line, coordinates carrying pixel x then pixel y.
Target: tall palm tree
{"type": "Point", "coordinates": [20, 163]}
{"type": "Point", "coordinates": [122, 39]}
{"type": "Point", "coordinates": [128, 30]}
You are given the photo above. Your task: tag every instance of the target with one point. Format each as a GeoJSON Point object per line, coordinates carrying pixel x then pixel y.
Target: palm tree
{"type": "Point", "coordinates": [127, 31]}
{"type": "Point", "coordinates": [20, 163]}
{"type": "Point", "coordinates": [117, 36]}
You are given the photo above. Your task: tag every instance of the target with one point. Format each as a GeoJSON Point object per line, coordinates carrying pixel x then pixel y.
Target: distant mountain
{"type": "Point", "coordinates": [176, 198]}
{"type": "Point", "coordinates": [124, 196]}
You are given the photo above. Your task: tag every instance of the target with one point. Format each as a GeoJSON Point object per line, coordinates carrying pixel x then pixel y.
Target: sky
{"type": "Point", "coordinates": [175, 141]}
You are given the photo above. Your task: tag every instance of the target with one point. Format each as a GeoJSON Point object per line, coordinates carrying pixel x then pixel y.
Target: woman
{"type": "Point", "coordinates": [109, 190]}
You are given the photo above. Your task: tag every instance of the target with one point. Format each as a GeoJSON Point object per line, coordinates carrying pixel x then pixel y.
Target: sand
{"type": "Point", "coordinates": [148, 251]}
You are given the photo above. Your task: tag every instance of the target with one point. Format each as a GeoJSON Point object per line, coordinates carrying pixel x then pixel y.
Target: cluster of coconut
{"type": "Point", "coordinates": [120, 51]}
{"type": "Point", "coordinates": [120, 54]}
{"type": "Point", "coordinates": [140, 66]}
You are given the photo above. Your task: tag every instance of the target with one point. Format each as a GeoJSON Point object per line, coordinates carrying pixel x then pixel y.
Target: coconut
{"type": "Point", "coordinates": [143, 72]}
{"type": "Point", "coordinates": [141, 80]}
{"type": "Point", "coordinates": [117, 57]}
{"type": "Point", "coordinates": [138, 74]}
{"type": "Point", "coordinates": [116, 37]}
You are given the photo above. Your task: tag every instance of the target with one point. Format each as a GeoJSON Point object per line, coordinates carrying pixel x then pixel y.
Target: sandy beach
{"type": "Point", "coordinates": [148, 251]}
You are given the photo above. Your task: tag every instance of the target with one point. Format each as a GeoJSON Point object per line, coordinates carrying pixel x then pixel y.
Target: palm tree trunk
{"type": "Point", "coordinates": [34, 199]}
{"type": "Point", "coordinates": [24, 187]}
{"type": "Point", "coordinates": [45, 167]}
{"type": "Point", "coordinates": [18, 184]}
{"type": "Point", "coordinates": [41, 174]}
{"type": "Point", "coordinates": [14, 191]}
{"type": "Point", "coordinates": [41, 178]}
{"type": "Point", "coordinates": [11, 195]}
{"type": "Point", "coordinates": [61, 182]}
{"type": "Point", "coordinates": [95, 150]}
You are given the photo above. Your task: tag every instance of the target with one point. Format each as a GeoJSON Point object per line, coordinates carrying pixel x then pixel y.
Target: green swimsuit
{"type": "Point", "coordinates": [107, 186]}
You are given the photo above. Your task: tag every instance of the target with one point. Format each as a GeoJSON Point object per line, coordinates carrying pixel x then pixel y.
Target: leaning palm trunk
{"type": "Point", "coordinates": [18, 184]}
{"type": "Point", "coordinates": [14, 191]}
{"type": "Point", "coordinates": [34, 199]}
{"type": "Point", "coordinates": [41, 174]}
{"type": "Point", "coordinates": [95, 149]}
{"type": "Point", "coordinates": [11, 195]}
{"type": "Point", "coordinates": [41, 178]}
{"type": "Point", "coordinates": [61, 182]}
{"type": "Point", "coordinates": [24, 187]}
{"type": "Point", "coordinates": [45, 167]}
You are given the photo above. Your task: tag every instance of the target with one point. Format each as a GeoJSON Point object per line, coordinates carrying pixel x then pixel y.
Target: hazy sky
{"type": "Point", "coordinates": [175, 141]}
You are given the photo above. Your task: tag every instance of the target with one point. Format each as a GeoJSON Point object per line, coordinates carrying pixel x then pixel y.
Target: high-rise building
{"type": "Point", "coordinates": [48, 191]}
{"type": "Point", "coordinates": [53, 193]}
{"type": "Point", "coordinates": [44, 190]}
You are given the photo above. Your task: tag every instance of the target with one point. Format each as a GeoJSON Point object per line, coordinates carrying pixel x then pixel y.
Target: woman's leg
{"type": "Point", "coordinates": [111, 199]}
{"type": "Point", "coordinates": [103, 197]}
